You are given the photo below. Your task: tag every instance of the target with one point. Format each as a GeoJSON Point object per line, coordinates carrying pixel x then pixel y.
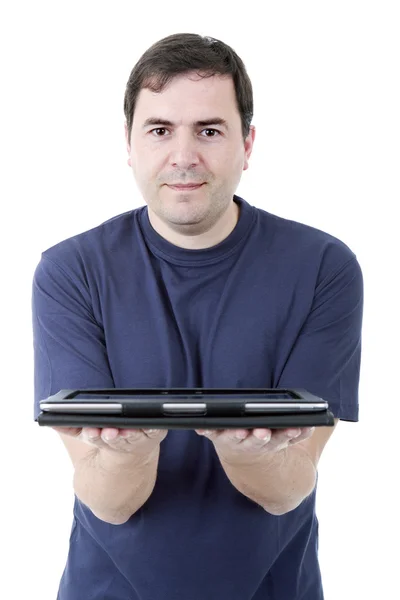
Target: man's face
{"type": "Point", "coordinates": [170, 146]}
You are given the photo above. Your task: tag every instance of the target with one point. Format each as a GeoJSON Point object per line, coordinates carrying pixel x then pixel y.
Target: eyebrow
{"type": "Point", "coordinates": [166, 123]}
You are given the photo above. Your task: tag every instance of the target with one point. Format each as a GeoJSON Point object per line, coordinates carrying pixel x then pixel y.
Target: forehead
{"type": "Point", "coordinates": [189, 95]}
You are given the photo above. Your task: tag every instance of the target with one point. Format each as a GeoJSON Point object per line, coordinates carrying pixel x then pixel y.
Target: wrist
{"type": "Point", "coordinates": [266, 459]}
{"type": "Point", "coordinates": [109, 459]}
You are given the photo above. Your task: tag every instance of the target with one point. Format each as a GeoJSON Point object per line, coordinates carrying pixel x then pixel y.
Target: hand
{"type": "Point", "coordinates": [249, 443]}
{"type": "Point", "coordinates": [140, 441]}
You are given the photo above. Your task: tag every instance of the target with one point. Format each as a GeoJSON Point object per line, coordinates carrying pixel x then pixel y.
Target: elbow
{"type": "Point", "coordinates": [278, 511]}
{"type": "Point", "coordinates": [113, 516]}
{"type": "Point", "coordinates": [111, 519]}
{"type": "Point", "coordinates": [275, 510]}
{"type": "Point", "coordinates": [291, 501]}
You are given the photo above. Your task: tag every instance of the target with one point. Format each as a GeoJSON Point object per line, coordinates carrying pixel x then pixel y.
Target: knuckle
{"type": "Point", "coordinates": [154, 433]}
{"type": "Point", "coordinates": [84, 436]}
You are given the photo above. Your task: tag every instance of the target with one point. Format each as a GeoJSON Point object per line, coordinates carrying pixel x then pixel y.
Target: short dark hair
{"type": "Point", "coordinates": [184, 52]}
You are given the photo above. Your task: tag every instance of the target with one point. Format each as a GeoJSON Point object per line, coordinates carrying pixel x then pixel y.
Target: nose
{"type": "Point", "coordinates": [184, 153]}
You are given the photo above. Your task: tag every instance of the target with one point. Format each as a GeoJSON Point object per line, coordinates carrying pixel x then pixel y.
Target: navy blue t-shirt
{"type": "Point", "coordinates": [276, 304]}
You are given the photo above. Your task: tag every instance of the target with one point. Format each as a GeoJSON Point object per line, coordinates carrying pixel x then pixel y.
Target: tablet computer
{"type": "Point", "coordinates": [185, 408]}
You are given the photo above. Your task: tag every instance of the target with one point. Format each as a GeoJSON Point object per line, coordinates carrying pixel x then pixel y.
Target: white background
{"type": "Point", "coordinates": [325, 77]}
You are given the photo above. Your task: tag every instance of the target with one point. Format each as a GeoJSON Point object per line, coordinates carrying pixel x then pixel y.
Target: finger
{"type": "Point", "coordinates": [209, 433]}
{"type": "Point", "coordinates": [154, 433]}
{"type": "Point", "coordinates": [263, 435]}
{"type": "Point", "coordinates": [286, 436]}
{"type": "Point", "coordinates": [113, 440]}
{"type": "Point", "coordinates": [305, 434]}
{"type": "Point", "coordinates": [72, 431]}
{"type": "Point", "coordinates": [255, 439]}
{"type": "Point", "coordinates": [109, 434]}
{"type": "Point", "coordinates": [277, 440]}
{"type": "Point", "coordinates": [96, 444]}
{"type": "Point", "coordinates": [92, 433]}
{"type": "Point", "coordinates": [125, 432]}
{"type": "Point", "coordinates": [236, 436]}
{"type": "Point", "coordinates": [133, 433]}
{"type": "Point", "coordinates": [282, 438]}
{"type": "Point", "coordinates": [118, 438]}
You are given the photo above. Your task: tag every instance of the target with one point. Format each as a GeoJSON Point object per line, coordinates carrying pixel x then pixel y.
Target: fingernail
{"type": "Point", "coordinates": [294, 433]}
{"type": "Point", "coordinates": [109, 436]}
{"type": "Point", "coordinates": [259, 435]}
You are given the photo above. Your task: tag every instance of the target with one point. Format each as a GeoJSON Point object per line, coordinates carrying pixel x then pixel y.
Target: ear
{"type": "Point", "coordinates": [128, 144]}
{"type": "Point", "coordinates": [248, 146]}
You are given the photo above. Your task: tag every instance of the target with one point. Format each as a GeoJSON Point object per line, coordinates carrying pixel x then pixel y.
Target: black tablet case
{"type": "Point", "coordinates": [124, 421]}
{"type": "Point", "coordinates": [278, 421]}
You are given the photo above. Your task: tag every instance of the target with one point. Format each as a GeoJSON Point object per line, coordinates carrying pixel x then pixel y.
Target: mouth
{"type": "Point", "coordinates": [186, 187]}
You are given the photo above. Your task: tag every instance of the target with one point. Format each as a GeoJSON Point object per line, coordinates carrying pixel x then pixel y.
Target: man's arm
{"type": "Point", "coordinates": [277, 479]}
{"type": "Point", "coordinates": [114, 489]}
{"type": "Point", "coordinates": [325, 360]}
{"type": "Point", "coordinates": [113, 479]}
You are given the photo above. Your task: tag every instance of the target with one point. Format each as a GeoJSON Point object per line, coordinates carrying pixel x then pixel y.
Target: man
{"type": "Point", "coordinates": [197, 288]}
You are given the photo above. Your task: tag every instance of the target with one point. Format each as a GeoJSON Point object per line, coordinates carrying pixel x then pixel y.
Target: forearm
{"type": "Point", "coordinates": [115, 486]}
{"type": "Point", "coordinates": [277, 481]}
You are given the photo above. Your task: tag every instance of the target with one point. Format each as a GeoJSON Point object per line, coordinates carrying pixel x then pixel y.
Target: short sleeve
{"type": "Point", "coordinates": [325, 359]}
{"type": "Point", "coordinates": [68, 344]}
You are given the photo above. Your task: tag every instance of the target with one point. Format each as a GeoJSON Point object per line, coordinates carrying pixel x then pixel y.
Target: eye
{"type": "Point", "coordinates": [213, 131]}
{"type": "Point", "coordinates": [158, 129]}
{"type": "Point", "coordinates": [157, 132]}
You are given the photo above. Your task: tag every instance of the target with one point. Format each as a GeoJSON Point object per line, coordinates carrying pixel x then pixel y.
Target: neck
{"type": "Point", "coordinates": [206, 239]}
